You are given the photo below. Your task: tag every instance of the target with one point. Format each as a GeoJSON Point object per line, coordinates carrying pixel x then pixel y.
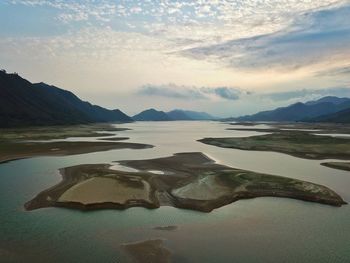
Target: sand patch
{"type": "Point", "coordinates": [102, 189]}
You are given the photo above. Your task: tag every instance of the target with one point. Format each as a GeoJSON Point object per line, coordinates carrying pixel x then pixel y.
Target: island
{"type": "Point", "coordinates": [338, 165]}
{"type": "Point", "coordinates": [11, 151]}
{"type": "Point", "coordinates": [296, 143]}
{"type": "Point", "coordinates": [114, 139]}
{"type": "Point", "coordinates": [148, 251]}
{"type": "Point", "coordinates": [58, 132]}
{"type": "Point", "coordinates": [29, 142]}
{"type": "Point", "coordinates": [319, 128]}
{"type": "Point", "coordinates": [184, 180]}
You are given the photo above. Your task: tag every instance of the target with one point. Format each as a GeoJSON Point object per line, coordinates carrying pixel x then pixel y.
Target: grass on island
{"type": "Point", "coordinates": [15, 151]}
{"type": "Point", "coordinates": [189, 180]}
{"type": "Point", "coordinates": [28, 142]}
{"type": "Point", "coordinates": [323, 128]}
{"type": "Point", "coordinates": [295, 143]}
{"type": "Point", "coordinates": [56, 132]}
{"type": "Point", "coordinates": [115, 139]}
{"type": "Point", "coordinates": [338, 165]}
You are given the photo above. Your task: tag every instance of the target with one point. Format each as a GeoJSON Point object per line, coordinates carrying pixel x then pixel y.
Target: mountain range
{"type": "Point", "coordinates": [23, 103]}
{"type": "Point", "coordinates": [151, 115]}
{"type": "Point", "coordinates": [326, 109]}
{"type": "Point", "coordinates": [191, 115]}
{"type": "Point", "coordinates": [174, 115]}
{"type": "Point", "coordinates": [342, 116]}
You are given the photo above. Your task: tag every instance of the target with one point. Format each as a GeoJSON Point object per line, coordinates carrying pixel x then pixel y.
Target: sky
{"type": "Point", "coordinates": [228, 58]}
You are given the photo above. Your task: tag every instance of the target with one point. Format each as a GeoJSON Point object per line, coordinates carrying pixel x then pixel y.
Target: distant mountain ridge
{"type": "Point", "coordinates": [196, 115]}
{"type": "Point", "coordinates": [331, 99]}
{"type": "Point", "coordinates": [308, 111]}
{"type": "Point", "coordinates": [174, 115]}
{"type": "Point", "coordinates": [178, 115]}
{"type": "Point", "coordinates": [23, 103]}
{"type": "Point", "coordinates": [342, 116]}
{"type": "Point", "coordinates": [151, 115]}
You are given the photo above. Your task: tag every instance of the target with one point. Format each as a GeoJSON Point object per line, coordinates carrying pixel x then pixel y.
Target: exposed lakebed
{"type": "Point", "coordinates": [246, 231]}
{"type": "Point", "coordinates": [189, 180]}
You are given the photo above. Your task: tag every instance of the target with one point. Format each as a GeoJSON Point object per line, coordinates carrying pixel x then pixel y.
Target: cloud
{"type": "Point", "coordinates": [307, 94]}
{"type": "Point", "coordinates": [117, 39]}
{"type": "Point", "coordinates": [190, 92]}
{"type": "Point", "coordinates": [215, 22]}
{"type": "Point", "coordinates": [335, 72]}
{"type": "Point", "coordinates": [73, 11]}
{"type": "Point", "coordinates": [248, 34]}
{"type": "Point", "coordinates": [171, 91]}
{"type": "Point", "coordinates": [211, 21]}
{"type": "Point", "coordinates": [89, 42]}
{"type": "Point", "coordinates": [315, 38]}
{"type": "Point", "coordinates": [223, 92]}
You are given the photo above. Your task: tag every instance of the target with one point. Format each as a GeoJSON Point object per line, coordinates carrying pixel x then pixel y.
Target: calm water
{"type": "Point", "coordinates": [256, 230]}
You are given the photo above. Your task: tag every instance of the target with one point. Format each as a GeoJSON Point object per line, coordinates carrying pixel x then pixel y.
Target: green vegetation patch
{"type": "Point", "coordinates": [338, 165]}
{"type": "Point", "coordinates": [296, 143]}
{"type": "Point", "coordinates": [57, 132]}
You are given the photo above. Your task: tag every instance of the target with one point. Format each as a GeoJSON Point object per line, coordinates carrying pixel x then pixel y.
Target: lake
{"type": "Point", "coordinates": [255, 230]}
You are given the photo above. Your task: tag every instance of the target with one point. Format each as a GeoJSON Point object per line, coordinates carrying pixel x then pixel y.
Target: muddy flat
{"type": "Point", "coordinates": [149, 251]}
{"type": "Point", "coordinates": [322, 128]}
{"type": "Point", "coordinates": [58, 132]}
{"type": "Point", "coordinates": [13, 151]}
{"type": "Point", "coordinates": [338, 165]}
{"type": "Point", "coordinates": [37, 141]}
{"type": "Point", "coordinates": [165, 228]}
{"type": "Point", "coordinates": [296, 143]}
{"type": "Point", "coordinates": [104, 189]}
{"type": "Point", "coordinates": [114, 139]}
{"type": "Point", "coordinates": [189, 180]}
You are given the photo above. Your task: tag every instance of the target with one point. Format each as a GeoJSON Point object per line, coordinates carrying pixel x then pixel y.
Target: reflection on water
{"type": "Point", "coordinates": [256, 230]}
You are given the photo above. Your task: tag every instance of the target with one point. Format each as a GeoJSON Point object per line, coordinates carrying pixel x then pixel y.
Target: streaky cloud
{"type": "Point", "coordinates": [319, 37]}
{"type": "Point", "coordinates": [337, 71]}
{"type": "Point", "coordinates": [190, 92]}
{"type": "Point", "coordinates": [307, 94]}
{"type": "Point", "coordinates": [171, 91]}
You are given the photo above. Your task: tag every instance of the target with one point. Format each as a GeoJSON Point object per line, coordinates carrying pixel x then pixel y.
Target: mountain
{"type": "Point", "coordinates": [301, 111]}
{"type": "Point", "coordinates": [178, 115]}
{"type": "Point", "coordinates": [174, 115]}
{"type": "Point", "coordinates": [23, 103]}
{"type": "Point", "coordinates": [331, 99]}
{"type": "Point", "coordinates": [196, 115]}
{"type": "Point", "coordinates": [338, 117]}
{"type": "Point", "coordinates": [151, 115]}
{"type": "Point", "coordinates": [94, 112]}
{"type": "Point", "coordinates": [183, 115]}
